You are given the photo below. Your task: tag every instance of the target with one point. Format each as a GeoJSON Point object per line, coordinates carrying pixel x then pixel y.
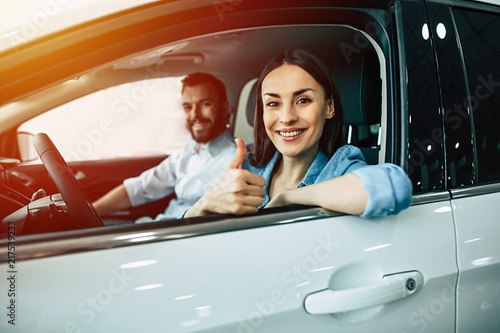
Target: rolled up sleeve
{"type": "Point", "coordinates": [152, 184]}
{"type": "Point", "coordinates": [388, 188]}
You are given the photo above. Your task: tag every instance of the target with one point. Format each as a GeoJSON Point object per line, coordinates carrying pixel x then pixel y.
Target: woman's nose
{"type": "Point", "coordinates": [288, 114]}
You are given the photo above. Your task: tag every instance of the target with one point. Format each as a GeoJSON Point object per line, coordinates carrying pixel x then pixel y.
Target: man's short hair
{"type": "Point", "coordinates": [195, 79]}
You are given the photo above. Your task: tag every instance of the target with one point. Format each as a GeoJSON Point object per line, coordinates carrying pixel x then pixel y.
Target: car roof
{"type": "Point", "coordinates": [28, 20]}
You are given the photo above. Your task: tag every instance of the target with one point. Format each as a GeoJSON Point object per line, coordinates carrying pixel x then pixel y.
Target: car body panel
{"type": "Point", "coordinates": [478, 245]}
{"type": "Point", "coordinates": [475, 201]}
{"type": "Point", "coordinates": [248, 280]}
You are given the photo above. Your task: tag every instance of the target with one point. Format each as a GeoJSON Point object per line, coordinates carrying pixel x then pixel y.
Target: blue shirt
{"type": "Point", "coordinates": [189, 173]}
{"type": "Point", "coordinates": [388, 187]}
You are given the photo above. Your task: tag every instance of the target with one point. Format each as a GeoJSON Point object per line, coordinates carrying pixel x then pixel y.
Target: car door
{"type": "Point", "coordinates": [284, 270]}
{"type": "Point", "coordinates": [472, 121]}
{"type": "Point", "coordinates": [252, 274]}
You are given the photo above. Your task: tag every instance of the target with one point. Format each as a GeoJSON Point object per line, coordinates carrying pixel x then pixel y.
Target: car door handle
{"type": "Point", "coordinates": [391, 288]}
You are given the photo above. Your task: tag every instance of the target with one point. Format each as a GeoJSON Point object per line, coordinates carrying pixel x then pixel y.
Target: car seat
{"type": "Point", "coordinates": [360, 90]}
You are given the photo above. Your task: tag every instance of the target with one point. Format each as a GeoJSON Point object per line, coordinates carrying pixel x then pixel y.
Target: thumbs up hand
{"type": "Point", "coordinates": [238, 192]}
{"type": "Point", "coordinates": [241, 153]}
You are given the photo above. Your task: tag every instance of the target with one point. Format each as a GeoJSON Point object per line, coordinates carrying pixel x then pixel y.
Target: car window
{"type": "Point", "coordinates": [425, 153]}
{"type": "Point", "coordinates": [484, 86]}
{"type": "Point", "coordinates": [146, 117]}
{"type": "Point", "coordinates": [359, 77]}
{"type": "Point", "coordinates": [136, 119]}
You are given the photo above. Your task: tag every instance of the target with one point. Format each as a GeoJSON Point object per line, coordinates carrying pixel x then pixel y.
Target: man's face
{"type": "Point", "coordinates": [205, 114]}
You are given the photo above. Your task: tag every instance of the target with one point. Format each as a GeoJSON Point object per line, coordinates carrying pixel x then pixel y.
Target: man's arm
{"type": "Point", "coordinates": [114, 200]}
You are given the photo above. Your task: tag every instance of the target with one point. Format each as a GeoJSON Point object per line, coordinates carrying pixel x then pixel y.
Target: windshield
{"type": "Point", "coordinates": [23, 21]}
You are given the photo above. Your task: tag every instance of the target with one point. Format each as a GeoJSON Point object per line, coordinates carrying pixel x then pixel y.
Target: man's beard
{"type": "Point", "coordinates": [214, 131]}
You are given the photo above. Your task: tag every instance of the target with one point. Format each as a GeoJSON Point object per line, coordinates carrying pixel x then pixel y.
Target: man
{"type": "Point", "coordinates": [196, 167]}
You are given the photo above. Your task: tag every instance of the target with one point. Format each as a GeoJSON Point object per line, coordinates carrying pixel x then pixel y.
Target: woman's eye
{"type": "Point", "coordinates": [272, 104]}
{"type": "Point", "coordinates": [304, 100]}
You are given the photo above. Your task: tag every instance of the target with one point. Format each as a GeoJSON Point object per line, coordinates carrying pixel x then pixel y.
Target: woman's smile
{"type": "Point", "coordinates": [295, 110]}
{"type": "Point", "coordinates": [290, 134]}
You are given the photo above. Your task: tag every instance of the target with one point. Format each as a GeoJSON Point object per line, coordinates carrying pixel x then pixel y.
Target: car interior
{"type": "Point", "coordinates": [355, 60]}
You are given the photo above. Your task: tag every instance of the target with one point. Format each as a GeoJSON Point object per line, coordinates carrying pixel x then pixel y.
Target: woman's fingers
{"type": "Point", "coordinates": [246, 176]}
{"type": "Point", "coordinates": [254, 179]}
{"type": "Point", "coordinates": [253, 201]}
{"type": "Point", "coordinates": [256, 191]}
{"type": "Point", "coordinates": [238, 192]}
{"type": "Point", "coordinates": [241, 210]}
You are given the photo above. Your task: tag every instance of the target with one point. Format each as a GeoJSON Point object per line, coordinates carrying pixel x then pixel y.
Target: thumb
{"type": "Point", "coordinates": [240, 154]}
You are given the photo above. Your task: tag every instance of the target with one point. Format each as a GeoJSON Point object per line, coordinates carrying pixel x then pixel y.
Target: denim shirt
{"type": "Point", "coordinates": [388, 187]}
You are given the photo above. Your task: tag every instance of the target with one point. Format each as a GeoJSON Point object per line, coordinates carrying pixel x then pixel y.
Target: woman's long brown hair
{"type": "Point", "coordinates": [332, 136]}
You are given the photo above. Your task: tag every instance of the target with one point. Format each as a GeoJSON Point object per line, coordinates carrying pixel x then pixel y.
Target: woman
{"type": "Point", "coordinates": [298, 157]}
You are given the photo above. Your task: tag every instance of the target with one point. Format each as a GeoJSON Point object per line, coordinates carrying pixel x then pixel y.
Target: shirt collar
{"type": "Point", "coordinates": [315, 169]}
{"type": "Point", "coordinates": [214, 146]}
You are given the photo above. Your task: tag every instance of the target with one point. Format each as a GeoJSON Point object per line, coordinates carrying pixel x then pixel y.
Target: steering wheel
{"type": "Point", "coordinates": [80, 208]}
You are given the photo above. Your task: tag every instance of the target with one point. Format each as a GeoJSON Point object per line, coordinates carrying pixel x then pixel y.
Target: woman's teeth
{"type": "Point", "coordinates": [288, 134]}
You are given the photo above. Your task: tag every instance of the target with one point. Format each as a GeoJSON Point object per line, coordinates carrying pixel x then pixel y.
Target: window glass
{"type": "Point", "coordinates": [481, 51]}
{"type": "Point", "coordinates": [454, 111]}
{"type": "Point", "coordinates": [136, 119]}
{"type": "Point", "coordinates": [425, 145]}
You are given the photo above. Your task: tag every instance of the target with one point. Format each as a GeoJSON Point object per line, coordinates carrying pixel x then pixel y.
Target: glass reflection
{"type": "Point", "coordinates": [425, 31]}
{"type": "Point", "coordinates": [441, 30]}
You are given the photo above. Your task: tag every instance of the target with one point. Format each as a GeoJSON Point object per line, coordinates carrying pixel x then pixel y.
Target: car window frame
{"type": "Point", "coordinates": [336, 15]}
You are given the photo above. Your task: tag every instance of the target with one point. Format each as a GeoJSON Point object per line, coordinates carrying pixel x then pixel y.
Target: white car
{"type": "Point", "coordinates": [420, 85]}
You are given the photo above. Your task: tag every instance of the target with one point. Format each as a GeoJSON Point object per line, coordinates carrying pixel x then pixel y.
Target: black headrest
{"type": "Point", "coordinates": [360, 89]}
